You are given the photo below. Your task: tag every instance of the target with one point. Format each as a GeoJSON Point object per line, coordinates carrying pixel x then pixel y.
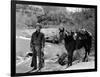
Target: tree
{"type": "Point", "coordinates": [85, 19]}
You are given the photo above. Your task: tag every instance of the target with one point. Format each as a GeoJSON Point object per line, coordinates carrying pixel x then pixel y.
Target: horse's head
{"type": "Point", "coordinates": [66, 35]}
{"type": "Point", "coordinates": [61, 34]}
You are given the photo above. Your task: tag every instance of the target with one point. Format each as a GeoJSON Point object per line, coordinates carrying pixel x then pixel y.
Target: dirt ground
{"type": "Point", "coordinates": [50, 51]}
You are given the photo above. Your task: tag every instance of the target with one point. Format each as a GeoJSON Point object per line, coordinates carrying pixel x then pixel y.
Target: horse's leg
{"type": "Point", "coordinates": [68, 61]}
{"type": "Point", "coordinates": [70, 56]}
{"type": "Point", "coordinates": [89, 49]}
{"type": "Point", "coordinates": [86, 53]}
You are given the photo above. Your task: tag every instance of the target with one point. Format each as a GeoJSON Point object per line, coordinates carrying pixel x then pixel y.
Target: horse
{"type": "Point", "coordinates": [76, 40]}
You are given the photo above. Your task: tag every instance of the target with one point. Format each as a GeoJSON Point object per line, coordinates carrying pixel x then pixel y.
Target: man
{"type": "Point", "coordinates": [37, 44]}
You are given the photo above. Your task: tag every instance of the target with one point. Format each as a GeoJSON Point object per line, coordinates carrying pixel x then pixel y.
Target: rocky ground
{"type": "Point", "coordinates": [50, 51]}
{"type": "Point", "coordinates": [51, 65]}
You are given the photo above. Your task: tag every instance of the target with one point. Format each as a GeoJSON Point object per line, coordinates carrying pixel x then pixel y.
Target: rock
{"type": "Point", "coordinates": [62, 60]}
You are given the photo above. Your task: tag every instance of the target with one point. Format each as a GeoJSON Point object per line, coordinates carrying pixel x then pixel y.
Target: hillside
{"type": "Point", "coordinates": [51, 17]}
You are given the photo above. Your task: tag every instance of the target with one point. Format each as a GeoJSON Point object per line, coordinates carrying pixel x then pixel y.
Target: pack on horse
{"type": "Point", "coordinates": [76, 40]}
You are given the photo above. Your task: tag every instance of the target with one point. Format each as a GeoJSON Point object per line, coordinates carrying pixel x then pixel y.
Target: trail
{"type": "Point", "coordinates": [50, 51]}
{"type": "Point", "coordinates": [51, 65]}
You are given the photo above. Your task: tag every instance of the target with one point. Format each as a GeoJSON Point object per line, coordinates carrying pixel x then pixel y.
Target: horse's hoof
{"type": "Point", "coordinates": [66, 67]}
{"type": "Point", "coordinates": [83, 60]}
{"type": "Point", "coordinates": [86, 60]}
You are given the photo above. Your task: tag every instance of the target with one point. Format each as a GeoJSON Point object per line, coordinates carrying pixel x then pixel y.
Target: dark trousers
{"type": "Point", "coordinates": [37, 52]}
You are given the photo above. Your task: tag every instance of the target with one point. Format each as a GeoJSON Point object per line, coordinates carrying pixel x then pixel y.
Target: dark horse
{"type": "Point", "coordinates": [77, 40]}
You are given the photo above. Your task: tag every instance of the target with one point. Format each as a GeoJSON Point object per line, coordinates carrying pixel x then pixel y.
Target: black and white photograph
{"type": "Point", "coordinates": [54, 38]}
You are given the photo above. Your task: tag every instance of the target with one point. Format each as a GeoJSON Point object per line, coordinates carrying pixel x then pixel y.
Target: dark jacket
{"type": "Point", "coordinates": [37, 39]}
